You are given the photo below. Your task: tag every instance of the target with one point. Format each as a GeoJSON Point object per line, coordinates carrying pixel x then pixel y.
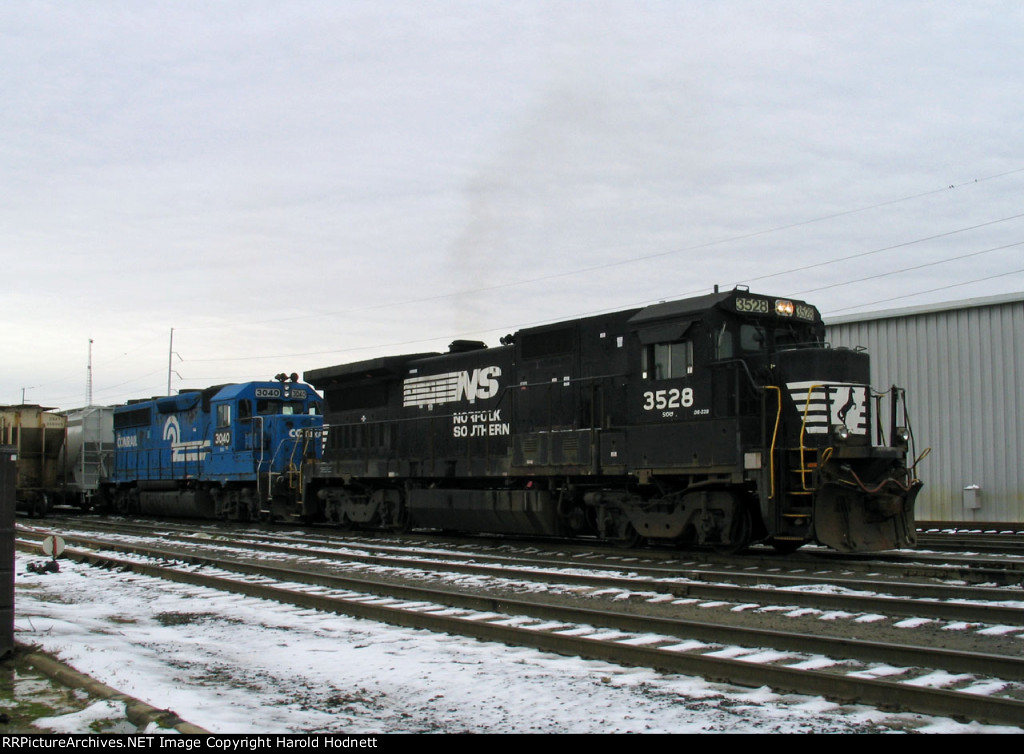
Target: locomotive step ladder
{"type": "Point", "coordinates": [798, 483]}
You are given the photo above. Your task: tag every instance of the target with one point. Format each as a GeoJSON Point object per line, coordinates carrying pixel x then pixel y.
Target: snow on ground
{"type": "Point", "coordinates": [235, 664]}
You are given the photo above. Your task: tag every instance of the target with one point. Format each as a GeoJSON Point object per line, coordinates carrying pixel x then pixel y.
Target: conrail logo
{"type": "Point", "coordinates": [195, 450]}
{"type": "Point", "coordinates": [453, 386]}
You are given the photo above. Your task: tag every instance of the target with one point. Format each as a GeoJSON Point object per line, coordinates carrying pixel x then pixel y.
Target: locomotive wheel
{"type": "Point", "coordinates": [628, 537]}
{"type": "Point", "coordinates": [402, 522]}
{"type": "Point", "coordinates": [741, 534]}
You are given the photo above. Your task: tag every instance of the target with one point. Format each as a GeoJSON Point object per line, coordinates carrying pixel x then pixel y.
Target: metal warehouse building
{"type": "Point", "coordinates": [962, 365]}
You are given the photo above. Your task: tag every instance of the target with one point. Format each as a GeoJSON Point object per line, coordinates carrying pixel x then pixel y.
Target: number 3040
{"type": "Point", "coordinates": [674, 398]}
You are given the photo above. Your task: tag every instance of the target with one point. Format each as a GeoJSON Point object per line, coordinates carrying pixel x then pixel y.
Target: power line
{"type": "Point", "coordinates": [911, 269]}
{"type": "Point", "coordinates": [861, 255]}
{"type": "Point", "coordinates": [804, 268]}
{"type": "Point", "coordinates": [619, 263]}
{"type": "Point", "coordinates": [930, 290]}
{"type": "Point", "coordinates": [658, 255]}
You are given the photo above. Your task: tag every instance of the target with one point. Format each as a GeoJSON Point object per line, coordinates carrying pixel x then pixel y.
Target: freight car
{"type": "Point", "coordinates": [37, 436]}
{"type": "Point", "coordinates": [719, 420]}
{"type": "Point", "coordinates": [230, 451]}
{"type": "Point", "coordinates": [87, 456]}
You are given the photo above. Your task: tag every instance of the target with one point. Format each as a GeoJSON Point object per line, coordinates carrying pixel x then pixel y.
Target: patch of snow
{"type": "Point", "coordinates": [835, 615]}
{"type": "Point", "coordinates": [236, 664]}
{"type": "Point", "coordinates": [77, 722]}
{"type": "Point", "coordinates": [913, 622]}
{"type": "Point", "coordinates": [939, 679]}
{"type": "Point", "coordinates": [999, 630]}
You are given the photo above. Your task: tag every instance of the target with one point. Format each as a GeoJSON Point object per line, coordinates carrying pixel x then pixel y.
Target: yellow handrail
{"type": "Point", "coordinates": [775, 434]}
{"type": "Point", "coordinates": [803, 428]}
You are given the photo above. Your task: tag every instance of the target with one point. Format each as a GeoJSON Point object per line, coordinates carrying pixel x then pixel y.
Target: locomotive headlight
{"type": "Point", "coordinates": [840, 432]}
{"type": "Point", "coordinates": [784, 308]}
{"type": "Point", "coordinates": [902, 436]}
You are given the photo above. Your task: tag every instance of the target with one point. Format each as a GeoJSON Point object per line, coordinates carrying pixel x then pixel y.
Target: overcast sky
{"type": "Point", "coordinates": [291, 185]}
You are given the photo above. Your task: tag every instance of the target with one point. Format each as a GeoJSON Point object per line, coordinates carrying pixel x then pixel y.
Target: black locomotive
{"type": "Point", "coordinates": [719, 420]}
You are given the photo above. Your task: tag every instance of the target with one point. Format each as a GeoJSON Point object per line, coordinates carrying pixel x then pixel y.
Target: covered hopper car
{"type": "Point", "coordinates": [36, 434]}
{"type": "Point", "coordinates": [87, 456]}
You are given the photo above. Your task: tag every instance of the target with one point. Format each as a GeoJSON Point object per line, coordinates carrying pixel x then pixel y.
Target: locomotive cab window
{"type": "Point", "coordinates": [724, 348]}
{"type": "Point", "coordinates": [753, 339]}
{"type": "Point", "coordinates": [267, 407]}
{"type": "Point", "coordinates": [666, 361]}
{"type": "Point", "coordinates": [224, 415]}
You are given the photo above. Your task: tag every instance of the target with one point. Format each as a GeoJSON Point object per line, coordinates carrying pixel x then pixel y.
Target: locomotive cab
{"type": "Point", "coordinates": [263, 433]}
{"type": "Point", "coordinates": [752, 429]}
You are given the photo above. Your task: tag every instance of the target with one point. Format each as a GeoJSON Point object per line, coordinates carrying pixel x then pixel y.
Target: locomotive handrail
{"type": "Point", "coordinates": [261, 458]}
{"type": "Point", "coordinates": [918, 460]}
{"type": "Point", "coordinates": [775, 434]}
{"type": "Point", "coordinates": [746, 369]}
{"type": "Point", "coordinates": [803, 428]}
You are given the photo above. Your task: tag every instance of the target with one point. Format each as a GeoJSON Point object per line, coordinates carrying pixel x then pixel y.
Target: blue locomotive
{"type": "Point", "coordinates": [230, 451]}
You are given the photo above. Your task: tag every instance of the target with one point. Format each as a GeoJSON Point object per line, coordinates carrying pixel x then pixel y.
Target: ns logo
{"type": "Point", "coordinates": [479, 384]}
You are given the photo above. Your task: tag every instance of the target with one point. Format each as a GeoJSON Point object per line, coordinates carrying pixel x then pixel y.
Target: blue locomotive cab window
{"type": "Point", "coordinates": [224, 415]}
{"type": "Point", "coordinates": [286, 408]}
{"type": "Point", "coordinates": [267, 408]}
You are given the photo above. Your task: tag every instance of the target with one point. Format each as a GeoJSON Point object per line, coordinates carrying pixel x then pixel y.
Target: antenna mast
{"type": "Point", "coordinates": [170, 353]}
{"type": "Point", "coordinates": [88, 379]}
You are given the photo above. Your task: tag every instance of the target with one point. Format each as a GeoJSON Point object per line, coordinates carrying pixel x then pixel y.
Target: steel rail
{"type": "Point", "coordinates": [907, 564]}
{"type": "Point", "coordinates": [842, 688]}
{"type": "Point", "coordinates": [890, 604]}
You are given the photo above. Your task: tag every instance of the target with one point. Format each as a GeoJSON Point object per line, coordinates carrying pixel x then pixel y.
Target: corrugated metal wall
{"type": "Point", "coordinates": [963, 368]}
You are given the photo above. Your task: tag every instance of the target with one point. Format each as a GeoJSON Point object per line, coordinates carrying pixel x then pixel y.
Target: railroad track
{"type": "Point", "coordinates": [973, 541]}
{"type": "Point", "coordinates": [988, 690]}
{"type": "Point", "coordinates": [914, 565]}
{"type": "Point", "coordinates": [860, 589]}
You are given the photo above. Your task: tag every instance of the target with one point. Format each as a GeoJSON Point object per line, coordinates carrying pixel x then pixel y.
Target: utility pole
{"type": "Point", "coordinates": [170, 362]}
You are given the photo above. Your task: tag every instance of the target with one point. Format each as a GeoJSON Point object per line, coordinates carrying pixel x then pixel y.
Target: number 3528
{"type": "Point", "coordinates": [662, 399]}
